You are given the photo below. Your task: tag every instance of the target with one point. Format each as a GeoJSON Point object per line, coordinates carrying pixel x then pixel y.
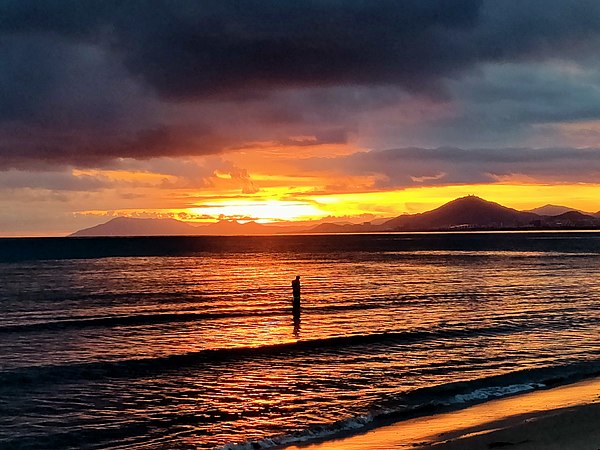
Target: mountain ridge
{"type": "Point", "coordinates": [464, 213]}
{"type": "Point", "coordinates": [134, 226]}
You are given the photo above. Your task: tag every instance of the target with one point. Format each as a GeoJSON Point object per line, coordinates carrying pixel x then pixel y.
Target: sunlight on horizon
{"type": "Point", "coordinates": [260, 211]}
{"type": "Point", "coordinates": [360, 206]}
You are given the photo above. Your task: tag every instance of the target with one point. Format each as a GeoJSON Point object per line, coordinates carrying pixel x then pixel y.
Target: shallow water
{"type": "Point", "coordinates": [190, 342]}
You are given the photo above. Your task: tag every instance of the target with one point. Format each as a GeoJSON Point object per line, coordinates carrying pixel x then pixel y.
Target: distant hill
{"type": "Point", "coordinates": [232, 227]}
{"type": "Point", "coordinates": [465, 212]}
{"type": "Point", "coordinates": [554, 210]}
{"type": "Point", "coordinates": [344, 228]}
{"type": "Point", "coordinates": [469, 212]}
{"type": "Point", "coordinates": [128, 226]}
{"type": "Point", "coordinates": [472, 213]}
{"type": "Point", "coordinates": [572, 219]}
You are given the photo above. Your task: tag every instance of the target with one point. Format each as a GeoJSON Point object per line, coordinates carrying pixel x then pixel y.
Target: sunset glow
{"type": "Point", "coordinates": [260, 211]}
{"type": "Point", "coordinates": [346, 132]}
{"type": "Point", "coordinates": [289, 224]}
{"type": "Point", "coordinates": [359, 207]}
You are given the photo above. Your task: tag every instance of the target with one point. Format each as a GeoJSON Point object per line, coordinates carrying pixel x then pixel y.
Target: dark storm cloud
{"type": "Point", "coordinates": [189, 48]}
{"type": "Point", "coordinates": [445, 166]}
{"type": "Point", "coordinates": [503, 99]}
{"type": "Point", "coordinates": [40, 148]}
{"type": "Point", "coordinates": [84, 82]}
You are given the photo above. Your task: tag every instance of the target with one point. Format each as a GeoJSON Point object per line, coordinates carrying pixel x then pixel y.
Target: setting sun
{"type": "Point", "coordinates": [260, 211]}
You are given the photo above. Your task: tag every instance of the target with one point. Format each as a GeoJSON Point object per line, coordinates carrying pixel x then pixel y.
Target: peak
{"type": "Point", "coordinates": [470, 198]}
{"type": "Point", "coordinates": [469, 201]}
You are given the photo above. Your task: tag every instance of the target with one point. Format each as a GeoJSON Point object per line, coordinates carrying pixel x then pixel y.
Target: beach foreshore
{"type": "Point", "coordinates": [565, 417]}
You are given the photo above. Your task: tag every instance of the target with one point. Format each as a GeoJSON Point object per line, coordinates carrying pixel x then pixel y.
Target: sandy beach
{"type": "Point", "coordinates": [566, 417]}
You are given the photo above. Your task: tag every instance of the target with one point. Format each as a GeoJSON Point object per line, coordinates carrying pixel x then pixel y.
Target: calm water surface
{"type": "Point", "coordinates": [190, 342]}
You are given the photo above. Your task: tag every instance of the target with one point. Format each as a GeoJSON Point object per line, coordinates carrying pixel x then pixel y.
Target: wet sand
{"type": "Point", "coordinates": [566, 417]}
{"type": "Point", "coordinates": [575, 428]}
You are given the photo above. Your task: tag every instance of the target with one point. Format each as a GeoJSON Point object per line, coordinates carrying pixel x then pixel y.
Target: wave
{"type": "Point", "coordinates": [163, 318]}
{"type": "Point", "coordinates": [330, 345]}
{"type": "Point", "coordinates": [432, 400]}
{"type": "Point", "coordinates": [66, 323]}
{"type": "Point", "coordinates": [134, 367]}
{"type": "Point", "coordinates": [128, 320]}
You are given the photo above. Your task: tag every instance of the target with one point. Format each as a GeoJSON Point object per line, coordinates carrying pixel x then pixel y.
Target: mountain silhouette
{"type": "Point", "coordinates": [552, 210]}
{"type": "Point", "coordinates": [129, 226]}
{"type": "Point", "coordinates": [467, 212]}
{"type": "Point", "coordinates": [233, 227]}
{"type": "Point", "coordinates": [344, 228]}
{"type": "Point", "coordinates": [572, 219]}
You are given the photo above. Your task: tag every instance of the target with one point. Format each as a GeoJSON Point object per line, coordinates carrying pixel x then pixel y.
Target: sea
{"type": "Point", "coordinates": [190, 342]}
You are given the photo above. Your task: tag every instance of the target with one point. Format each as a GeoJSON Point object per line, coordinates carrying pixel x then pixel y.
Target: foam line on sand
{"type": "Point", "coordinates": [566, 417]}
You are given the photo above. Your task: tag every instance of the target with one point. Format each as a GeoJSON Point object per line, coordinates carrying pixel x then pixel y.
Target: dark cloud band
{"type": "Point", "coordinates": [84, 82]}
{"type": "Point", "coordinates": [224, 47]}
{"type": "Point", "coordinates": [405, 167]}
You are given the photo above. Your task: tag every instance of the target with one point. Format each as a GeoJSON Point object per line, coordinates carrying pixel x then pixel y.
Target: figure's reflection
{"type": "Point", "coordinates": [296, 304]}
{"type": "Point", "coordinates": [296, 316]}
{"type": "Point", "coordinates": [296, 293]}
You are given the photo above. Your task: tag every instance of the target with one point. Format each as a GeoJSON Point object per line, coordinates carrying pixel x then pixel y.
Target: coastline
{"type": "Point", "coordinates": [565, 417]}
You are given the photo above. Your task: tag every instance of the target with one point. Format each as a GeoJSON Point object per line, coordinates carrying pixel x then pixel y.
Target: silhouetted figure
{"type": "Point", "coordinates": [296, 292]}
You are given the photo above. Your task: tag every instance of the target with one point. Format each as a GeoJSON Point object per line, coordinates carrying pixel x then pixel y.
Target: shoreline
{"type": "Point", "coordinates": [564, 417]}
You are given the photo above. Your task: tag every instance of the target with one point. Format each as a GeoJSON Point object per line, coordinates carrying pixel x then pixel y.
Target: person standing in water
{"type": "Point", "coordinates": [296, 292]}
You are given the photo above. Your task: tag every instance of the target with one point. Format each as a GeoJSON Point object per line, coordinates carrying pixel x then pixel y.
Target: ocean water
{"type": "Point", "coordinates": [189, 342]}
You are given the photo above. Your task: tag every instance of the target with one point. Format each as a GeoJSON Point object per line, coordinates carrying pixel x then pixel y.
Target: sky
{"type": "Point", "coordinates": [277, 110]}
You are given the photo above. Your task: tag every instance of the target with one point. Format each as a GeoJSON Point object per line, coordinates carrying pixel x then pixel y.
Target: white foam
{"type": "Point", "coordinates": [494, 391]}
{"type": "Point", "coordinates": [303, 436]}
{"type": "Point", "coordinates": [319, 432]}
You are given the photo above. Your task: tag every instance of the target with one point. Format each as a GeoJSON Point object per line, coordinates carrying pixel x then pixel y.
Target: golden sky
{"type": "Point", "coordinates": [296, 119]}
